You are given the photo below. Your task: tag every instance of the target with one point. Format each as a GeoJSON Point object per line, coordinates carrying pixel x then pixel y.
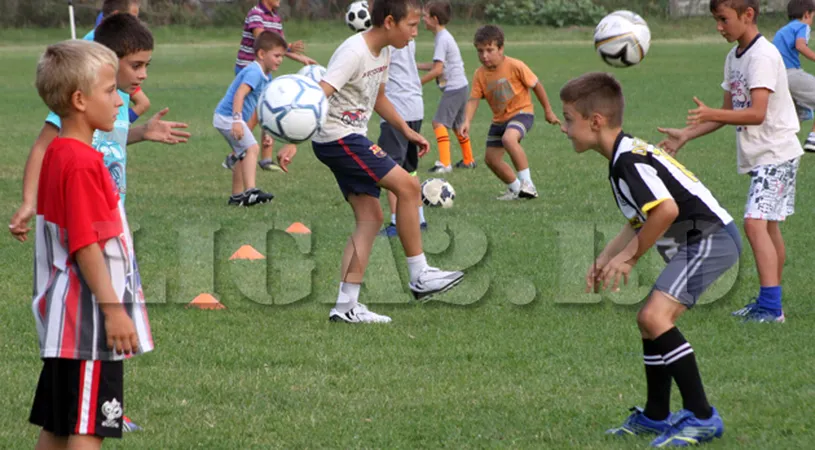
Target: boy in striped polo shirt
{"type": "Point", "coordinates": [88, 303]}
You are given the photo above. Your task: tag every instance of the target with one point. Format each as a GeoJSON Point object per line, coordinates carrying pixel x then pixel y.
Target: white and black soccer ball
{"type": "Point", "coordinates": [438, 192]}
{"type": "Point", "coordinates": [314, 71]}
{"type": "Point", "coordinates": [622, 39]}
{"type": "Point", "coordinates": [358, 18]}
{"type": "Point", "coordinates": [293, 108]}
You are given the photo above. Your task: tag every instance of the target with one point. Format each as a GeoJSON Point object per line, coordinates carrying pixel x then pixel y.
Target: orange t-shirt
{"type": "Point", "coordinates": [506, 88]}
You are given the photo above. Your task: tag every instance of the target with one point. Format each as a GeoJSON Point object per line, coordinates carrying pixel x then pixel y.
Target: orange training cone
{"type": "Point", "coordinates": [206, 301]}
{"type": "Point", "coordinates": [246, 252]}
{"type": "Point", "coordinates": [298, 228]}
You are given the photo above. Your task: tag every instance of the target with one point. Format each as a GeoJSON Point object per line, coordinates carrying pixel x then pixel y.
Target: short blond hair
{"type": "Point", "coordinates": [70, 66]}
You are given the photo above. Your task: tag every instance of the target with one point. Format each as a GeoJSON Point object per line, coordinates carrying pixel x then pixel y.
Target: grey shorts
{"type": "Point", "coordinates": [396, 145]}
{"type": "Point", "coordinates": [522, 122]}
{"type": "Point", "coordinates": [802, 87]}
{"type": "Point", "coordinates": [224, 126]}
{"type": "Point", "coordinates": [452, 106]}
{"type": "Point", "coordinates": [696, 265]}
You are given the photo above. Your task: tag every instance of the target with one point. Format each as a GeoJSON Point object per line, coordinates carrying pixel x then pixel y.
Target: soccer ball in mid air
{"type": "Point", "coordinates": [293, 108]}
{"type": "Point", "coordinates": [357, 17]}
{"type": "Point", "coordinates": [622, 39]}
{"type": "Point", "coordinates": [438, 192]}
{"type": "Point", "coordinates": [314, 71]}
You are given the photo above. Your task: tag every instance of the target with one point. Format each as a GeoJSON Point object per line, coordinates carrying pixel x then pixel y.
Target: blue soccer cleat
{"type": "Point", "coordinates": [747, 309]}
{"type": "Point", "coordinates": [763, 315]}
{"type": "Point", "coordinates": [637, 424]}
{"type": "Point", "coordinates": [687, 430]}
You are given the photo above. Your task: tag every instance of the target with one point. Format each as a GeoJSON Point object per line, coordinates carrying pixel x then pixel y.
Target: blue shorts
{"type": "Point", "coordinates": [522, 122]}
{"type": "Point", "coordinates": [357, 163]}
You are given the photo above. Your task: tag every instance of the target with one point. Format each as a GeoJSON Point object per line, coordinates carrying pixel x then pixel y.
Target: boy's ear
{"type": "Point", "coordinates": [389, 22]}
{"type": "Point", "coordinates": [596, 121]}
{"type": "Point", "coordinates": [78, 101]}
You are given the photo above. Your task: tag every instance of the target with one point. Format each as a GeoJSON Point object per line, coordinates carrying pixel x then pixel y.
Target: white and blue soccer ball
{"type": "Point", "coordinates": [293, 108]}
{"type": "Point", "coordinates": [438, 192]}
{"type": "Point", "coordinates": [622, 39]}
{"type": "Point", "coordinates": [358, 17]}
{"type": "Point", "coordinates": [314, 71]}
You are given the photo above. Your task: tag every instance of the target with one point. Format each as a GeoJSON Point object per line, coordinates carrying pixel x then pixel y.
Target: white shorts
{"type": "Point", "coordinates": [772, 191]}
{"type": "Point", "coordinates": [224, 125]}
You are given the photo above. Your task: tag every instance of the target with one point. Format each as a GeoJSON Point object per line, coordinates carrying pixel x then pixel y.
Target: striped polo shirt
{"type": "Point", "coordinates": [258, 17]}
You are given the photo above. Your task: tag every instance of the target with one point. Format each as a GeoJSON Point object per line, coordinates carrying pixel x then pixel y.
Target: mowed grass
{"type": "Point", "coordinates": [516, 356]}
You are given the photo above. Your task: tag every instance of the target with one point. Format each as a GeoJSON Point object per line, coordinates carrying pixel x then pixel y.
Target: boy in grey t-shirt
{"type": "Point", "coordinates": [447, 69]}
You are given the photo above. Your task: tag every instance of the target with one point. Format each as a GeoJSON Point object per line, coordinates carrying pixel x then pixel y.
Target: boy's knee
{"type": "Point", "coordinates": [648, 320]}
{"type": "Point", "coordinates": [510, 140]}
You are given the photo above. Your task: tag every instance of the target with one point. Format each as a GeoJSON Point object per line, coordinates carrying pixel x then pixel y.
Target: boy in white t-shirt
{"type": "Point", "coordinates": [757, 100]}
{"type": "Point", "coordinates": [447, 69]}
{"type": "Point", "coordinates": [355, 86]}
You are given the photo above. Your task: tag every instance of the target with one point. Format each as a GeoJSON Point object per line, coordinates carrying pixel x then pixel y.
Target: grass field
{"type": "Point", "coordinates": [516, 356]}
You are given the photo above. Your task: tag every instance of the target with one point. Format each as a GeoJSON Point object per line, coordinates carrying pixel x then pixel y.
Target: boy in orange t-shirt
{"type": "Point", "coordinates": [505, 83]}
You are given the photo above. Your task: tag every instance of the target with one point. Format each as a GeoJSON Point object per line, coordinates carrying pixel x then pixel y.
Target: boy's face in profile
{"type": "Point", "coordinates": [101, 104]}
{"type": "Point", "coordinates": [402, 32]}
{"type": "Point", "coordinates": [729, 24]}
{"type": "Point", "coordinates": [271, 59]}
{"type": "Point", "coordinates": [577, 128]}
{"type": "Point", "coordinates": [430, 23]}
{"type": "Point", "coordinates": [807, 19]}
{"type": "Point", "coordinates": [490, 54]}
{"type": "Point", "coordinates": [134, 9]}
{"type": "Point", "coordinates": [272, 4]}
{"type": "Point", "coordinates": [133, 70]}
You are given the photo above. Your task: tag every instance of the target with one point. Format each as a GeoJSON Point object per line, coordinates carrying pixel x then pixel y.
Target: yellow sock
{"type": "Point", "coordinates": [443, 140]}
{"type": "Point", "coordinates": [466, 149]}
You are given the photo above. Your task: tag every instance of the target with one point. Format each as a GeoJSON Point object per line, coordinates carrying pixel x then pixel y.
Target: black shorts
{"type": "Point", "coordinates": [357, 163]}
{"type": "Point", "coordinates": [396, 145]}
{"type": "Point", "coordinates": [76, 397]}
{"type": "Point", "coordinates": [522, 122]}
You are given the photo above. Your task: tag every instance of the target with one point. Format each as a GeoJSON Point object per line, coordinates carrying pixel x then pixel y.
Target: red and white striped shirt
{"type": "Point", "coordinates": [257, 17]}
{"type": "Point", "coordinates": [78, 206]}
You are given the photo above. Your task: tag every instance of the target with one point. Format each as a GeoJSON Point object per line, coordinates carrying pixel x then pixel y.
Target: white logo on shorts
{"type": "Point", "coordinates": [112, 411]}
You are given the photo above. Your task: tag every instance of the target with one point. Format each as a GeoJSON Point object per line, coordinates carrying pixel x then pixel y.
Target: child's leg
{"type": "Point", "coordinates": [774, 229]}
{"type": "Point", "coordinates": [406, 189]}
{"type": "Point", "coordinates": [268, 151]}
{"type": "Point", "coordinates": [249, 168]}
{"type": "Point", "coordinates": [443, 142]}
{"type": "Point", "coordinates": [49, 441]}
{"type": "Point", "coordinates": [494, 157]}
{"type": "Point", "coordinates": [512, 143]}
{"type": "Point", "coordinates": [84, 443]}
{"type": "Point", "coordinates": [368, 216]}
{"type": "Point", "coordinates": [466, 149]}
{"type": "Point", "coordinates": [764, 251]}
{"type": "Point", "coordinates": [237, 179]}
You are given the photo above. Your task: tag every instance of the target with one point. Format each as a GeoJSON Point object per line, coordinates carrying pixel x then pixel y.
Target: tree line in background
{"type": "Point", "coordinates": [556, 13]}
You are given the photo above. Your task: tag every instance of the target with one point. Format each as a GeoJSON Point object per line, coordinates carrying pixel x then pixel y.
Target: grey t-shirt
{"type": "Point", "coordinates": [404, 87]}
{"type": "Point", "coordinates": [447, 51]}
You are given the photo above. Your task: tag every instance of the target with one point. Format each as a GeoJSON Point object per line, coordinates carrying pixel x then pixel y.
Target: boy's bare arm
{"type": "Point", "coordinates": [435, 71]}
{"type": "Point", "coordinates": [119, 328]}
{"type": "Point", "coordinates": [752, 115]}
{"type": "Point", "coordinates": [677, 137]}
{"type": "Point", "coordinates": [140, 103]}
{"type": "Point", "coordinates": [801, 46]}
{"type": "Point", "coordinates": [540, 92]}
{"type": "Point", "coordinates": [424, 66]}
{"type": "Point", "coordinates": [469, 113]}
{"type": "Point", "coordinates": [31, 177]}
{"type": "Point", "coordinates": [385, 109]}
{"type": "Point", "coordinates": [158, 130]}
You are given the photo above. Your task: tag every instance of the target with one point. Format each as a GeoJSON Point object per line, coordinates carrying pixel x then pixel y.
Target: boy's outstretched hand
{"type": "Point", "coordinates": [674, 141]}
{"type": "Point", "coordinates": [166, 132]}
{"type": "Point", "coordinates": [420, 142]}
{"type": "Point", "coordinates": [18, 226]}
{"type": "Point", "coordinates": [298, 47]}
{"type": "Point", "coordinates": [552, 118]}
{"type": "Point", "coordinates": [285, 155]}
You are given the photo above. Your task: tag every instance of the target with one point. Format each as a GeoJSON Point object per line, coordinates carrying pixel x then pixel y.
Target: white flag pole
{"type": "Point", "coordinates": [71, 18]}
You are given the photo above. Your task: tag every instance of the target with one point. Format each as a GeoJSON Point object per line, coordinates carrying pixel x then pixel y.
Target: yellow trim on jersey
{"type": "Point", "coordinates": [651, 205]}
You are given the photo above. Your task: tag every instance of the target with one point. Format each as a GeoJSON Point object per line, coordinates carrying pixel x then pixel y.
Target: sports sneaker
{"type": "Point", "coordinates": [809, 145]}
{"type": "Point", "coordinates": [128, 426]}
{"type": "Point", "coordinates": [434, 281]}
{"type": "Point", "coordinates": [268, 164]}
{"type": "Point", "coordinates": [230, 161]}
{"type": "Point", "coordinates": [440, 168]}
{"type": "Point", "coordinates": [747, 309]}
{"type": "Point", "coordinates": [528, 190]}
{"type": "Point", "coordinates": [357, 314]}
{"type": "Point", "coordinates": [255, 196]}
{"type": "Point", "coordinates": [686, 430]}
{"type": "Point", "coordinates": [764, 315]}
{"type": "Point", "coordinates": [638, 424]}
{"type": "Point", "coordinates": [235, 200]}
{"type": "Point", "coordinates": [461, 165]}
{"type": "Point", "coordinates": [508, 195]}
{"type": "Point", "coordinates": [389, 231]}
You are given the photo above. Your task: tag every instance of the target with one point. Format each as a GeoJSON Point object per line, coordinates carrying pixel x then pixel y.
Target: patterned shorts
{"type": "Point", "coordinates": [772, 191]}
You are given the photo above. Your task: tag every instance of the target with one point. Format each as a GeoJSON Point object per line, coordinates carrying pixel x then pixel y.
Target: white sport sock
{"type": "Point", "coordinates": [515, 186]}
{"type": "Point", "coordinates": [393, 218]}
{"type": "Point", "coordinates": [421, 215]}
{"type": "Point", "coordinates": [523, 175]}
{"type": "Point", "coordinates": [416, 264]}
{"type": "Point", "coordinates": [348, 297]}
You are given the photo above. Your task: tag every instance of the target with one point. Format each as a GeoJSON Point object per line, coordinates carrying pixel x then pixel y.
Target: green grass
{"type": "Point", "coordinates": [516, 356]}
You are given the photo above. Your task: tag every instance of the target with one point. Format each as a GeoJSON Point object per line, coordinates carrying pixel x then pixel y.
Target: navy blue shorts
{"type": "Point", "coordinates": [357, 163]}
{"type": "Point", "coordinates": [522, 122]}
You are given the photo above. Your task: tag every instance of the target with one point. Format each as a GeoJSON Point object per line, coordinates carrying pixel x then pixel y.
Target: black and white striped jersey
{"type": "Point", "coordinates": [642, 176]}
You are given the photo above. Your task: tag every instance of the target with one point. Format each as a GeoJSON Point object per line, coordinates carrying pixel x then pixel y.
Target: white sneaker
{"type": "Point", "coordinates": [440, 168]}
{"type": "Point", "coordinates": [508, 195]}
{"type": "Point", "coordinates": [357, 314]}
{"type": "Point", "coordinates": [434, 281]}
{"type": "Point", "coordinates": [528, 190]}
{"type": "Point", "coordinates": [809, 145]}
